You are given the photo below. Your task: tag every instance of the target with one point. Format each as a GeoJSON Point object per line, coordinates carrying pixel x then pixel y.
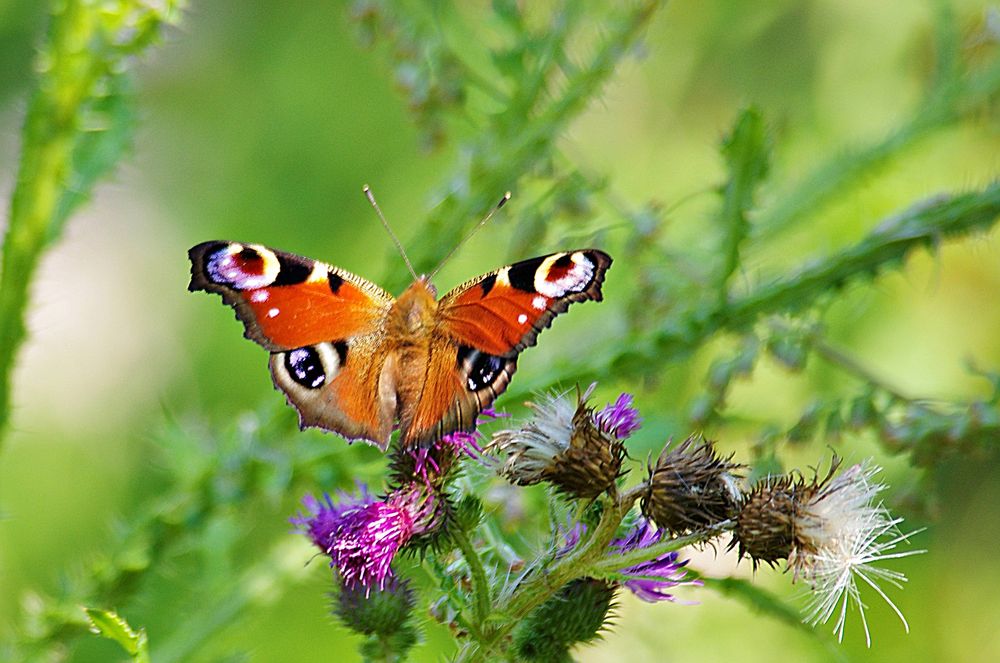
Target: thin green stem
{"type": "Point", "coordinates": [853, 366]}
{"type": "Point", "coordinates": [640, 555]}
{"type": "Point", "coordinates": [482, 601]}
{"type": "Point", "coordinates": [543, 583]}
{"type": "Point", "coordinates": [81, 80]}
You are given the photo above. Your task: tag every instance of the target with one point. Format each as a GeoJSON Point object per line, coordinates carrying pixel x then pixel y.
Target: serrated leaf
{"type": "Point", "coordinates": [113, 626]}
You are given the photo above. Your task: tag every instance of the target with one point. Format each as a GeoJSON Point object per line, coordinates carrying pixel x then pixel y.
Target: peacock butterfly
{"type": "Point", "coordinates": [353, 360]}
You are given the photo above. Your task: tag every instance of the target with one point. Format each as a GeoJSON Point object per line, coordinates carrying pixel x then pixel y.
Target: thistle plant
{"type": "Point", "coordinates": [742, 408]}
{"type": "Point", "coordinates": [830, 532]}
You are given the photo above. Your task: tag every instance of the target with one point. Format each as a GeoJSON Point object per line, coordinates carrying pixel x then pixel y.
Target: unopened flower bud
{"type": "Point", "coordinates": [691, 488]}
{"type": "Point", "coordinates": [382, 611]}
{"type": "Point", "coordinates": [573, 616]}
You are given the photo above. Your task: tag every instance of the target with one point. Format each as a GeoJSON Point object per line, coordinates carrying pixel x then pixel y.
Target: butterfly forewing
{"type": "Point", "coordinates": [284, 300]}
{"type": "Point", "coordinates": [502, 312]}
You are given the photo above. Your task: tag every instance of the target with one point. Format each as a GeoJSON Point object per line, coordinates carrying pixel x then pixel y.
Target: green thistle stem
{"type": "Point", "coordinates": [638, 556]}
{"type": "Point", "coordinates": [480, 583]}
{"type": "Point", "coordinates": [542, 584]}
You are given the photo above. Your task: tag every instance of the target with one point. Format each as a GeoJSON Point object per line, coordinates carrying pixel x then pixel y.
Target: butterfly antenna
{"type": "Point", "coordinates": [469, 234]}
{"type": "Point", "coordinates": [385, 224]}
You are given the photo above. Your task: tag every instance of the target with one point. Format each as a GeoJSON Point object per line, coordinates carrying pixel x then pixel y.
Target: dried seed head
{"type": "Point", "coordinates": [691, 488]}
{"type": "Point", "coordinates": [564, 445]}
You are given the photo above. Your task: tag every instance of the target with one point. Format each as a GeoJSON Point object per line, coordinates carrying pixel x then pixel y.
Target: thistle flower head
{"type": "Point", "coordinates": [691, 487]}
{"type": "Point", "coordinates": [366, 541]}
{"type": "Point", "coordinates": [362, 535]}
{"type": "Point", "coordinates": [619, 419]}
{"type": "Point", "coordinates": [831, 531]}
{"type": "Point", "coordinates": [651, 580]}
{"type": "Point", "coordinates": [566, 444]}
{"type": "Point", "coordinates": [322, 517]}
{"type": "Point", "coordinates": [433, 463]}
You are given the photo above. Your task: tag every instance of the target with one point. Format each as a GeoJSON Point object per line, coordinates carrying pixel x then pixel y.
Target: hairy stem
{"type": "Point", "coordinates": [480, 583]}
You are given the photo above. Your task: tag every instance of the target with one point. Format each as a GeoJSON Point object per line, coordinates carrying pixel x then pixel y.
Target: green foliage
{"type": "Point", "coordinates": [500, 91]}
{"type": "Point", "coordinates": [77, 126]}
{"type": "Point", "coordinates": [114, 627]}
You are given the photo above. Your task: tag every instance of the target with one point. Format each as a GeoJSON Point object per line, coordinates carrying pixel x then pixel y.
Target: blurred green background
{"type": "Point", "coordinates": [261, 121]}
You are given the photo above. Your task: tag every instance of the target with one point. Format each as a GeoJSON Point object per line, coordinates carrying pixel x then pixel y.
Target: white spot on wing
{"type": "Point", "coordinates": [521, 319]}
{"type": "Point", "coordinates": [503, 278]}
{"type": "Point", "coordinates": [318, 273]}
{"type": "Point", "coordinates": [273, 313]}
{"type": "Point", "coordinates": [259, 296]}
{"type": "Point", "coordinates": [539, 302]}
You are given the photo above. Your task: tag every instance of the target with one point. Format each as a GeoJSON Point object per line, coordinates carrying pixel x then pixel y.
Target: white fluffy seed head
{"type": "Point", "coordinates": [843, 531]}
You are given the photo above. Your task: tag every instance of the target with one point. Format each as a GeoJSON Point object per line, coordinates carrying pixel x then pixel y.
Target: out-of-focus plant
{"type": "Point", "coordinates": [426, 532]}
{"type": "Point", "coordinates": [77, 126]}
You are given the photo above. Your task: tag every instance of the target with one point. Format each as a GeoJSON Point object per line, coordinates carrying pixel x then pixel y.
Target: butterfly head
{"type": "Point", "coordinates": [415, 310]}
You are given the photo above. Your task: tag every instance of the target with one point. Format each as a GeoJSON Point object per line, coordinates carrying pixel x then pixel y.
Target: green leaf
{"type": "Point", "coordinates": [746, 151]}
{"type": "Point", "coordinates": [113, 626]}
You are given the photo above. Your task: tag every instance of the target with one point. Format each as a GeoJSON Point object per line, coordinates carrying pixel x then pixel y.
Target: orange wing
{"type": "Point", "coordinates": [323, 326]}
{"type": "Point", "coordinates": [284, 300]}
{"type": "Point", "coordinates": [502, 312]}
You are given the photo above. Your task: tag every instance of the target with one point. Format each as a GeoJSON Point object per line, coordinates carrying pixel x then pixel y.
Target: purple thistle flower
{"type": "Point", "coordinates": [323, 517]}
{"type": "Point", "coordinates": [366, 541]}
{"type": "Point", "coordinates": [619, 419]}
{"type": "Point", "coordinates": [458, 444]}
{"type": "Point", "coordinates": [362, 535]}
{"type": "Point", "coordinates": [650, 580]}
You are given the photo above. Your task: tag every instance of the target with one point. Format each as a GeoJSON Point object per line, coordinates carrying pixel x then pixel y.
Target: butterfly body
{"type": "Point", "coordinates": [356, 361]}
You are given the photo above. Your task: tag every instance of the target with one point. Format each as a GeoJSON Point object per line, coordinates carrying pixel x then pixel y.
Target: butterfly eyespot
{"type": "Point", "coordinates": [481, 369]}
{"type": "Point", "coordinates": [559, 275]}
{"type": "Point", "coordinates": [242, 267]}
{"type": "Point", "coordinates": [305, 367]}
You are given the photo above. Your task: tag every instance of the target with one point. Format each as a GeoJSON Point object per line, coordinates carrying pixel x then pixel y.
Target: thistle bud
{"type": "Point", "coordinates": [573, 616]}
{"type": "Point", "coordinates": [765, 527]}
{"type": "Point", "coordinates": [380, 611]}
{"type": "Point", "coordinates": [579, 453]}
{"type": "Point", "coordinates": [691, 488]}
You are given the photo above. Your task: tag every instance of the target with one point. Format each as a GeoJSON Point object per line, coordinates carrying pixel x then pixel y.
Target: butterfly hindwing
{"type": "Point", "coordinates": [460, 382]}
